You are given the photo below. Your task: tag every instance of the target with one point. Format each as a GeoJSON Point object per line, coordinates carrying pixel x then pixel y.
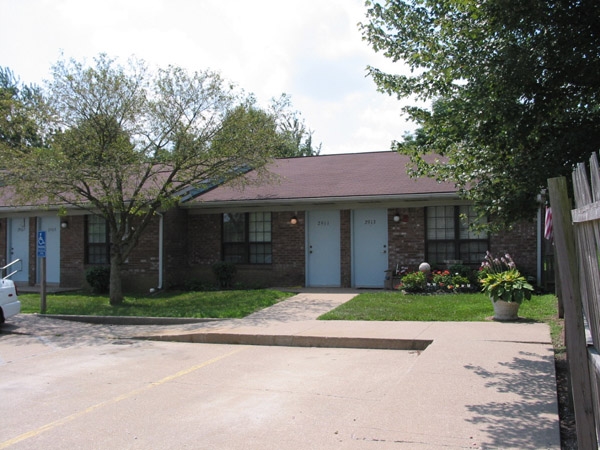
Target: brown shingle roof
{"type": "Point", "coordinates": [332, 176]}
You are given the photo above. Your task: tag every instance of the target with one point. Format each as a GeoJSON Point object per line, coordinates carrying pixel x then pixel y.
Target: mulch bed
{"type": "Point", "coordinates": [568, 433]}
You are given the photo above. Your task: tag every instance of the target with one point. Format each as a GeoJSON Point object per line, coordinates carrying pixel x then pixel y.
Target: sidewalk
{"type": "Point", "coordinates": [493, 381]}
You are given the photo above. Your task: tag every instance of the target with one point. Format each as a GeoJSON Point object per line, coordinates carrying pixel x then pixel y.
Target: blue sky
{"type": "Point", "coordinates": [309, 49]}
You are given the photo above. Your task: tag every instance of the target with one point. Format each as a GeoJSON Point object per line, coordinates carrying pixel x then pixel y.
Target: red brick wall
{"type": "Point", "coordinates": [521, 244]}
{"type": "Point", "coordinates": [139, 273]}
{"type": "Point", "coordinates": [406, 238]}
{"type": "Point", "coordinates": [288, 257]}
{"type": "Point", "coordinates": [72, 252]}
{"type": "Point", "coordinates": [175, 247]}
{"type": "Point", "coordinates": [192, 243]}
{"type": "Point", "coordinates": [204, 238]}
{"type": "Point", "coordinates": [140, 270]}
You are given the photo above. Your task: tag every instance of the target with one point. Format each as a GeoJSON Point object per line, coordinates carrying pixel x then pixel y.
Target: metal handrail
{"type": "Point", "coordinates": [2, 269]}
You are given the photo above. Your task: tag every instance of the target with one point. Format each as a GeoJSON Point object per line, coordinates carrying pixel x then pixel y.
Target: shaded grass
{"type": "Point", "coordinates": [213, 304]}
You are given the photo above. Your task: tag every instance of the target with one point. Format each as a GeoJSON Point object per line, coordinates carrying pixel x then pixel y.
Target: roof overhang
{"type": "Point", "coordinates": [36, 210]}
{"type": "Point", "coordinates": [351, 202]}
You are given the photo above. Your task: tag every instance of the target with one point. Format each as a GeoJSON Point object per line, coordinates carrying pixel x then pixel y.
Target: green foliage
{"type": "Point", "coordinates": [462, 307]}
{"type": "Point", "coordinates": [502, 281]}
{"type": "Point", "coordinates": [20, 110]}
{"type": "Point", "coordinates": [98, 278]}
{"type": "Point", "coordinates": [413, 282]}
{"type": "Point", "coordinates": [438, 281]}
{"type": "Point", "coordinates": [296, 137]}
{"type": "Point", "coordinates": [465, 271]}
{"type": "Point", "coordinates": [509, 286]}
{"type": "Point", "coordinates": [214, 304]}
{"type": "Point", "coordinates": [198, 286]}
{"type": "Point", "coordinates": [448, 281]}
{"type": "Point", "coordinates": [124, 141]}
{"type": "Point", "coordinates": [510, 88]}
{"type": "Point", "coordinates": [225, 272]}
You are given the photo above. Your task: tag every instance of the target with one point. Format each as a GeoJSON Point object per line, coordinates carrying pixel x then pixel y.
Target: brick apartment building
{"type": "Point", "coordinates": [335, 221]}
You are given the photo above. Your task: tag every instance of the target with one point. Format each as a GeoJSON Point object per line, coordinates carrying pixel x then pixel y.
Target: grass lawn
{"type": "Point", "coordinates": [390, 305]}
{"type": "Point", "coordinates": [379, 305]}
{"type": "Point", "coordinates": [211, 304]}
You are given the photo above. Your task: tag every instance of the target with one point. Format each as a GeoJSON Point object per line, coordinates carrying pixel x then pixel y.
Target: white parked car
{"type": "Point", "coordinates": [9, 299]}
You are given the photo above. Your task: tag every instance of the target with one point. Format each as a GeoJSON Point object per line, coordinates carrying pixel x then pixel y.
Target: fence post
{"type": "Point", "coordinates": [577, 355]}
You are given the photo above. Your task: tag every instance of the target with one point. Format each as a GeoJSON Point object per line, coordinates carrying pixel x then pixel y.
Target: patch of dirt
{"type": "Point", "coordinates": [566, 414]}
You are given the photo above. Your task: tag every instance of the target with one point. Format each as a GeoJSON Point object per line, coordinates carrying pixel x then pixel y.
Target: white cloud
{"type": "Point", "coordinates": [309, 49]}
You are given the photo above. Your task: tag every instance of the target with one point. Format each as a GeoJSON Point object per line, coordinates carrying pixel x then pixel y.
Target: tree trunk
{"type": "Point", "coordinates": [115, 290]}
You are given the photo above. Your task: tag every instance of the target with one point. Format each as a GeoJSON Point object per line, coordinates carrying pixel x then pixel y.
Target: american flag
{"type": "Point", "coordinates": [548, 224]}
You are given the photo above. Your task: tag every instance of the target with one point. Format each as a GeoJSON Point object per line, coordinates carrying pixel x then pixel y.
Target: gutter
{"type": "Point", "coordinates": [396, 201]}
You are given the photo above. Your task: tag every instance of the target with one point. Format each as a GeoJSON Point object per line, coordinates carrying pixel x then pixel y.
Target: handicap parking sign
{"type": "Point", "coordinates": [41, 244]}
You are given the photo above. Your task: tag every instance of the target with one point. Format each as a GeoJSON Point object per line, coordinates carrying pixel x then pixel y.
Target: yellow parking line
{"type": "Point", "coordinates": [74, 416]}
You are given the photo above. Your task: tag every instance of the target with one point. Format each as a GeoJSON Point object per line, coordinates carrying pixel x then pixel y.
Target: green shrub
{"type": "Point", "coordinates": [465, 271]}
{"type": "Point", "coordinates": [98, 278]}
{"type": "Point", "coordinates": [413, 282]}
{"type": "Point", "coordinates": [224, 271]}
{"type": "Point", "coordinates": [197, 286]}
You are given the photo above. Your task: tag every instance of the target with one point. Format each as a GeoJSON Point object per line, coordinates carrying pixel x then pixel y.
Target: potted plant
{"type": "Point", "coordinates": [505, 286]}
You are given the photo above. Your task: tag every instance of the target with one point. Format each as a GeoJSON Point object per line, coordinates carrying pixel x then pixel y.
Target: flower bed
{"type": "Point", "coordinates": [437, 282]}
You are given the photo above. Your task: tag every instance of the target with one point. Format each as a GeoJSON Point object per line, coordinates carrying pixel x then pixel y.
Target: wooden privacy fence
{"type": "Point", "coordinates": [577, 250]}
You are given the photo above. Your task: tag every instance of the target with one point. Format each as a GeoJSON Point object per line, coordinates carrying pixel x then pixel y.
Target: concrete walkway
{"type": "Point", "coordinates": [493, 383]}
{"type": "Point", "coordinates": [484, 385]}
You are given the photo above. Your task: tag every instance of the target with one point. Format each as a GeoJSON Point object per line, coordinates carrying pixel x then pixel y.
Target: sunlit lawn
{"type": "Point", "coordinates": [211, 304]}
{"type": "Point", "coordinates": [394, 305]}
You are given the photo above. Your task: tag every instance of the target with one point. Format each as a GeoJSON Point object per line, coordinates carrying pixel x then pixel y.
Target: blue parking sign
{"type": "Point", "coordinates": [41, 244]}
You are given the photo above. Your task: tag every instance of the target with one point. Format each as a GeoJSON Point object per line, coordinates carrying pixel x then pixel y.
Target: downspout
{"type": "Point", "coordinates": [539, 246]}
{"type": "Point", "coordinates": [160, 250]}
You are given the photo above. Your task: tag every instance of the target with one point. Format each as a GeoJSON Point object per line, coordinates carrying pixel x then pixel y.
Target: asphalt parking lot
{"type": "Point", "coordinates": [84, 391]}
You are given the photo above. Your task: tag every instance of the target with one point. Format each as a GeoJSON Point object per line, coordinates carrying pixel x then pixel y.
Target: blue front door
{"type": "Point", "coordinates": [323, 249]}
{"type": "Point", "coordinates": [369, 247]}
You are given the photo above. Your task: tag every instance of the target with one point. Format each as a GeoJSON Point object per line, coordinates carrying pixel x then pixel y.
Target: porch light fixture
{"type": "Point", "coordinates": [396, 217]}
{"type": "Point", "coordinates": [64, 225]}
{"type": "Point", "coordinates": [294, 220]}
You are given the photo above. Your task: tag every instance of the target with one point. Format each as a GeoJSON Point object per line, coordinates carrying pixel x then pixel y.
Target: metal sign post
{"type": "Point", "coordinates": [41, 253]}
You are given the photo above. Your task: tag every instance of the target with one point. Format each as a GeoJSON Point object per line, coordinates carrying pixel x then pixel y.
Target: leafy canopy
{"type": "Point", "coordinates": [512, 86]}
{"type": "Point", "coordinates": [20, 110]}
{"type": "Point", "coordinates": [128, 141]}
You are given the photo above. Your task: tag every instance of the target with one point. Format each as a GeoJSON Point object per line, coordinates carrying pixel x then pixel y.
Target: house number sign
{"type": "Point", "coordinates": [370, 221]}
{"type": "Point", "coordinates": [322, 223]}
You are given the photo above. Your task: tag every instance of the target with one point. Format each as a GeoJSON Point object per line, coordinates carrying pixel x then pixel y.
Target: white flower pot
{"type": "Point", "coordinates": [505, 310]}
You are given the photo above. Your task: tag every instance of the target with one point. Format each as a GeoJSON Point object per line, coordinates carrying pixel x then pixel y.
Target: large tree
{"type": "Point", "coordinates": [296, 137]}
{"type": "Point", "coordinates": [128, 140]}
{"type": "Point", "coordinates": [508, 91]}
{"type": "Point", "coordinates": [293, 138]}
{"type": "Point", "coordinates": [20, 111]}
